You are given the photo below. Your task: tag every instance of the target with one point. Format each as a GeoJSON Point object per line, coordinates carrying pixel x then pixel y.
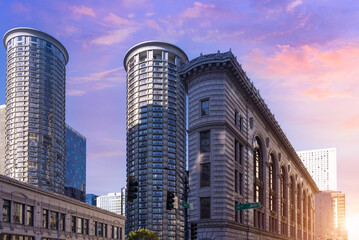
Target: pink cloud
{"type": "Point", "coordinates": [197, 11]}
{"type": "Point", "coordinates": [79, 11]}
{"type": "Point", "coordinates": [324, 93]}
{"type": "Point", "coordinates": [115, 36]}
{"type": "Point", "coordinates": [352, 123]}
{"type": "Point", "coordinates": [19, 7]}
{"type": "Point", "coordinates": [114, 19]}
{"type": "Point", "coordinates": [153, 24]}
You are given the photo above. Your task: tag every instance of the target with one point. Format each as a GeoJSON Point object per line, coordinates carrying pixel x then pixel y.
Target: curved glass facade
{"type": "Point", "coordinates": [35, 108]}
{"type": "Point", "coordinates": [156, 136]}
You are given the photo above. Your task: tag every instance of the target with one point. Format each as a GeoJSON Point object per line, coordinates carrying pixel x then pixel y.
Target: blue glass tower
{"type": "Point", "coordinates": [75, 164]}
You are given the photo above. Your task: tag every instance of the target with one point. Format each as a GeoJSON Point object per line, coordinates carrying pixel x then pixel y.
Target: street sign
{"type": "Point", "coordinates": [187, 205]}
{"type": "Point", "coordinates": [247, 206]}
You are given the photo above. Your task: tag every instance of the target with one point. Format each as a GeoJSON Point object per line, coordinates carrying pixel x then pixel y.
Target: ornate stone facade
{"type": "Point", "coordinates": [31, 213]}
{"type": "Point", "coordinates": [239, 154]}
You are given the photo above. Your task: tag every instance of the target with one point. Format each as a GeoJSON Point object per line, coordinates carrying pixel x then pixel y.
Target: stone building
{"type": "Point", "coordinates": [239, 154]}
{"type": "Point", "coordinates": [31, 213]}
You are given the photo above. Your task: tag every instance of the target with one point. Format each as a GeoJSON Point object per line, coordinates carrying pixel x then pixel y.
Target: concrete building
{"type": "Point", "coordinates": [322, 166]}
{"type": "Point", "coordinates": [35, 108]}
{"type": "Point", "coordinates": [239, 154]}
{"type": "Point", "coordinates": [91, 199]}
{"type": "Point", "coordinates": [32, 213]}
{"type": "Point", "coordinates": [330, 216]}
{"type": "Point", "coordinates": [113, 202]}
{"type": "Point", "coordinates": [75, 164]}
{"type": "Point", "coordinates": [2, 139]}
{"type": "Point", "coordinates": [156, 136]}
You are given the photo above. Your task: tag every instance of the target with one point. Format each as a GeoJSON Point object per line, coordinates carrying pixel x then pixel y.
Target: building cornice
{"type": "Point", "coordinates": [227, 62]}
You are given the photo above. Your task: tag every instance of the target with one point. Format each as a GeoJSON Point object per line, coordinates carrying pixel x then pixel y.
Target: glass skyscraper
{"type": "Point", "coordinates": [75, 164]}
{"type": "Point", "coordinates": [156, 136]}
{"type": "Point", "coordinates": [35, 108]}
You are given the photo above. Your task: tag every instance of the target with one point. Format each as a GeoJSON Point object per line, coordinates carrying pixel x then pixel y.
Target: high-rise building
{"type": "Point", "coordinates": [113, 202]}
{"type": "Point", "coordinates": [330, 215]}
{"type": "Point", "coordinates": [91, 199]}
{"type": "Point", "coordinates": [239, 156]}
{"type": "Point", "coordinates": [2, 139]}
{"type": "Point", "coordinates": [75, 164]}
{"type": "Point", "coordinates": [156, 136]}
{"type": "Point", "coordinates": [35, 108]}
{"type": "Point", "coordinates": [322, 166]}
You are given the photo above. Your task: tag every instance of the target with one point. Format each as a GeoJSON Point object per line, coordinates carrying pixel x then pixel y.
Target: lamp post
{"type": "Point", "coordinates": [184, 198]}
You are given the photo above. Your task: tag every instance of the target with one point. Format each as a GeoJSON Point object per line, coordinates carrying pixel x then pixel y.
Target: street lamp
{"type": "Point", "coordinates": [185, 198]}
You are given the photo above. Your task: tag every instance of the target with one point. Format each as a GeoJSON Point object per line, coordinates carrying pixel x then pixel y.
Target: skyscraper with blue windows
{"type": "Point", "coordinates": [156, 136]}
{"type": "Point", "coordinates": [75, 164]}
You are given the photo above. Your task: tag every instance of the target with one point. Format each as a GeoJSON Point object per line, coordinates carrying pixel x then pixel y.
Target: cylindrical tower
{"type": "Point", "coordinates": [35, 108]}
{"type": "Point", "coordinates": [156, 136]}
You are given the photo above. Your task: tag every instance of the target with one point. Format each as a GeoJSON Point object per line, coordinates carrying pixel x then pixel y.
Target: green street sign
{"type": "Point", "coordinates": [247, 206]}
{"type": "Point", "coordinates": [187, 205]}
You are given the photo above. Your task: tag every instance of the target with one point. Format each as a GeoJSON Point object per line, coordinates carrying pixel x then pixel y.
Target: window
{"type": "Point", "coordinates": [241, 183]}
{"type": "Point", "coordinates": [205, 141]}
{"type": "Point", "coordinates": [73, 224]}
{"type": "Point", "coordinates": [205, 204]}
{"type": "Point", "coordinates": [79, 223]}
{"type": "Point", "coordinates": [205, 174]}
{"type": "Point", "coordinates": [236, 218]}
{"type": "Point", "coordinates": [240, 148]}
{"type": "Point", "coordinates": [236, 150]}
{"type": "Point", "coordinates": [99, 229]}
{"type": "Point", "coordinates": [6, 211]}
{"type": "Point", "coordinates": [258, 172]}
{"type": "Point", "coordinates": [204, 107]}
{"type": "Point", "coordinates": [53, 220]}
{"type": "Point", "coordinates": [62, 222]}
{"type": "Point", "coordinates": [241, 123]}
{"type": "Point", "coordinates": [18, 216]}
{"type": "Point", "coordinates": [272, 184]}
{"type": "Point", "coordinates": [45, 218]}
{"type": "Point", "coordinates": [30, 215]}
{"type": "Point", "coordinates": [236, 180]}
{"type": "Point", "coordinates": [235, 118]}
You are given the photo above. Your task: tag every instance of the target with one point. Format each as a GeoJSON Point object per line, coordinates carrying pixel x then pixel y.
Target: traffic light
{"type": "Point", "coordinates": [170, 200]}
{"type": "Point", "coordinates": [132, 189]}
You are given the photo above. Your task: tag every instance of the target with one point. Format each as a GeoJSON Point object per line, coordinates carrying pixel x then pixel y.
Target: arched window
{"type": "Point", "coordinates": [299, 204]}
{"type": "Point", "coordinates": [283, 201]}
{"type": "Point", "coordinates": [309, 214]}
{"type": "Point", "coordinates": [272, 184]}
{"type": "Point", "coordinates": [259, 220]}
{"type": "Point", "coordinates": [304, 210]}
{"type": "Point", "coordinates": [258, 172]}
{"type": "Point", "coordinates": [292, 206]}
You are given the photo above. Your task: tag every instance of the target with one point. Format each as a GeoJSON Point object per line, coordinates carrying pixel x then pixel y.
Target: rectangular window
{"type": "Point", "coordinates": [236, 219]}
{"type": "Point", "coordinates": [205, 204]}
{"type": "Point", "coordinates": [6, 211]}
{"type": "Point", "coordinates": [62, 222]}
{"type": "Point", "coordinates": [86, 226]}
{"type": "Point", "coordinates": [235, 118]}
{"type": "Point", "coordinates": [30, 215]}
{"type": "Point", "coordinates": [240, 154]}
{"type": "Point", "coordinates": [205, 141]}
{"type": "Point", "coordinates": [241, 183]}
{"type": "Point", "coordinates": [79, 225]}
{"type": "Point", "coordinates": [53, 220]}
{"type": "Point", "coordinates": [120, 233]}
{"type": "Point", "coordinates": [204, 107]}
{"type": "Point", "coordinates": [236, 150]}
{"type": "Point", "coordinates": [73, 224]}
{"type": "Point", "coordinates": [236, 180]}
{"type": "Point", "coordinates": [18, 216]}
{"type": "Point", "coordinates": [205, 174]}
{"type": "Point", "coordinates": [45, 218]}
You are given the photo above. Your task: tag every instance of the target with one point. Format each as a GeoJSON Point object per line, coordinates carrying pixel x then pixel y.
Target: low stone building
{"type": "Point", "coordinates": [31, 213]}
{"type": "Point", "coordinates": [239, 154]}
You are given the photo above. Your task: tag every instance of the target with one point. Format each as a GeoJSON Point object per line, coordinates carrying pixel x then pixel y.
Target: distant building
{"type": "Point", "coordinates": [322, 166]}
{"type": "Point", "coordinates": [35, 108]}
{"type": "Point", "coordinates": [330, 216]}
{"type": "Point", "coordinates": [2, 139]}
{"type": "Point", "coordinates": [75, 164]}
{"type": "Point", "coordinates": [91, 199]}
{"type": "Point", "coordinates": [238, 154]}
{"type": "Point", "coordinates": [32, 213]}
{"type": "Point", "coordinates": [113, 202]}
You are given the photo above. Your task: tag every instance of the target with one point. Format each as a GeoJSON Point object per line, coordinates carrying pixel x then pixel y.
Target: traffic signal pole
{"type": "Point", "coordinates": [184, 198]}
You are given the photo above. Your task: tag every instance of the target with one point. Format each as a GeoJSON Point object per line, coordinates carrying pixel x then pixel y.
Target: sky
{"type": "Point", "coordinates": [302, 55]}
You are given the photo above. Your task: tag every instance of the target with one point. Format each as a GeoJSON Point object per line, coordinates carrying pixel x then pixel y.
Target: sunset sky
{"type": "Point", "coordinates": [303, 55]}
